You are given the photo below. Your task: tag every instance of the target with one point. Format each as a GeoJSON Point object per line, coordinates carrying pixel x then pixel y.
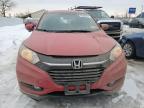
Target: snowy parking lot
{"type": "Point", "coordinates": [131, 95]}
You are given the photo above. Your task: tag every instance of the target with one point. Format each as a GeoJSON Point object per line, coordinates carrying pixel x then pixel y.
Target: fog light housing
{"type": "Point", "coordinates": [111, 83]}
{"type": "Point", "coordinates": [32, 87]}
{"type": "Point", "coordinates": [37, 88]}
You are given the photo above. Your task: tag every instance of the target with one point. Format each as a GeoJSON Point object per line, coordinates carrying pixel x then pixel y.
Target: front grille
{"type": "Point", "coordinates": [91, 71]}
{"type": "Point", "coordinates": [113, 26]}
{"type": "Point", "coordinates": [68, 76]}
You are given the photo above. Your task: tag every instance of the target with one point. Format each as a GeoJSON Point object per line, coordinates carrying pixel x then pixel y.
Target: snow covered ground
{"type": "Point", "coordinates": [10, 21]}
{"type": "Point", "coordinates": [131, 95]}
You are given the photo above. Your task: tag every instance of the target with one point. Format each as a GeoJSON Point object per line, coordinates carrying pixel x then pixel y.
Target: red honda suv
{"type": "Point", "coordinates": [69, 54]}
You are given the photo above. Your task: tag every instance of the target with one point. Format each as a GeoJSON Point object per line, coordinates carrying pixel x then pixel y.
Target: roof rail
{"type": "Point", "coordinates": [88, 7]}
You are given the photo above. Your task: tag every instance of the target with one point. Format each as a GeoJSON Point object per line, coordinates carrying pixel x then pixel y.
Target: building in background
{"type": "Point", "coordinates": [35, 15]}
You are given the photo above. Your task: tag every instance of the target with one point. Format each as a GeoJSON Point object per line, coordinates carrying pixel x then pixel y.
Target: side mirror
{"type": "Point", "coordinates": [104, 26]}
{"type": "Point", "coordinates": [30, 26]}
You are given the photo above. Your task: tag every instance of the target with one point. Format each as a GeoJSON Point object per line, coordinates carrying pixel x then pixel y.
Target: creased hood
{"type": "Point", "coordinates": [70, 44]}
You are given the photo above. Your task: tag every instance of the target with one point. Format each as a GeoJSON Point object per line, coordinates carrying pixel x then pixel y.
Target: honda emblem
{"type": "Point", "coordinates": [77, 64]}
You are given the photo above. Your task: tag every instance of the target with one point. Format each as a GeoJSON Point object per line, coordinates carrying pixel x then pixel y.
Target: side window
{"type": "Point", "coordinates": [104, 15]}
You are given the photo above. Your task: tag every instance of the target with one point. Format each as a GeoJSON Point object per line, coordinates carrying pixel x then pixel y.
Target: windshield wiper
{"type": "Point", "coordinates": [70, 31]}
{"type": "Point", "coordinates": [62, 31]}
{"type": "Point", "coordinates": [43, 30]}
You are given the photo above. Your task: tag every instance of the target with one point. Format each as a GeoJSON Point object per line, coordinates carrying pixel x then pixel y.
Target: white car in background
{"type": "Point", "coordinates": [101, 17]}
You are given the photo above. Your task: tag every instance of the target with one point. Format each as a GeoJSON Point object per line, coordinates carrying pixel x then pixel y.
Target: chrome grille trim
{"type": "Point", "coordinates": [56, 64]}
{"type": "Point", "coordinates": [84, 64]}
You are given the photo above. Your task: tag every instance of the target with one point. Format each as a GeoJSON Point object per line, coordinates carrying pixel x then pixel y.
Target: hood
{"type": "Point", "coordinates": [109, 20]}
{"type": "Point", "coordinates": [70, 44]}
{"type": "Point", "coordinates": [134, 35]}
{"type": "Point", "coordinates": [99, 19]}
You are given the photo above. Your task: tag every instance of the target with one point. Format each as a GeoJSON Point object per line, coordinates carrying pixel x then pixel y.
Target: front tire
{"type": "Point", "coordinates": [129, 49]}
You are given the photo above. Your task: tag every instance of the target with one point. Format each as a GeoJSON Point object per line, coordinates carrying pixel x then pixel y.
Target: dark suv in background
{"type": "Point", "coordinates": [101, 17]}
{"type": "Point", "coordinates": [137, 22]}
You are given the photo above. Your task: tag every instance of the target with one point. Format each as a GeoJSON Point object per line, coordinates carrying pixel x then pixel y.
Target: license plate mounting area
{"type": "Point", "coordinates": [75, 88]}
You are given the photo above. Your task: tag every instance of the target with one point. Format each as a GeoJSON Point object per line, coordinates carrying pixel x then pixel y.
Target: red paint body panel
{"type": "Point", "coordinates": [70, 44]}
{"type": "Point", "coordinates": [30, 74]}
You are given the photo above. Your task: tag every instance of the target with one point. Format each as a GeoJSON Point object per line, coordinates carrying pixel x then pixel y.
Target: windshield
{"type": "Point", "coordinates": [67, 22]}
{"type": "Point", "coordinates": [98, 14]}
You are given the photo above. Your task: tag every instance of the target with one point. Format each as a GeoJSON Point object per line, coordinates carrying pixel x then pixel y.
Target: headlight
{"type": "Point", "coordinates": [28, 55]}
{"type": "Point", "coordinates": [116, 52]}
